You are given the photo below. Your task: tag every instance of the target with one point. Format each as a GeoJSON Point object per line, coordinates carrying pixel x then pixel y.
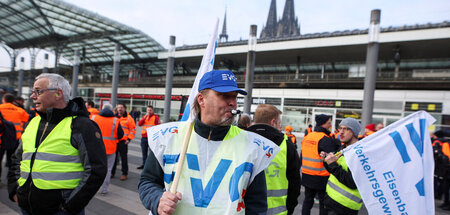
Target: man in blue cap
{"type": "Point", "coordinates": [215, 179]}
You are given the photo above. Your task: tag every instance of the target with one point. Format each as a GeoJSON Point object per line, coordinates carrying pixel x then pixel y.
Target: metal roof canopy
{"type": "Point", "coordinates": [63, 27]}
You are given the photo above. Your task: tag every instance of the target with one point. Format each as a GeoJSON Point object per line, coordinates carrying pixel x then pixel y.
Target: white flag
{"type": "Point", "coordinates": [207, 65]}
{"type": "Point", "coordinates": [393, 168]}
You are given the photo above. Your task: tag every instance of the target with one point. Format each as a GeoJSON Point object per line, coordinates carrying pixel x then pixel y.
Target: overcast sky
{"type": "Point", "coordinates": [191, 21]}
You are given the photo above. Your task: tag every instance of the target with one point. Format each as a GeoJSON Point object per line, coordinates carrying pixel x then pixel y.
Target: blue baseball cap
{"type": "Point", "coordinates": [222, 81]}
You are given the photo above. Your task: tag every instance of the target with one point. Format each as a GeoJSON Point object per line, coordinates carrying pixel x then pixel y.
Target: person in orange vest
{"type": "Point", "coordinates": [19, 117]}
{"type": "Point", "coordinates": [129, 130]}
{"type": "Point", "coordinates": [308, 130]}
{"type": "Point", "coordinates": [314, 174]}
{"type": "Point", "coordinates": [288, 130]}
{"type": "Point", "coordinates": [91, 108]}
{"type": "Point", "coordinates": [111, 134]}
{"type": "Point", "coordinates": [150, 119]}
{"type": "Point", "coordinates": [370, 129]}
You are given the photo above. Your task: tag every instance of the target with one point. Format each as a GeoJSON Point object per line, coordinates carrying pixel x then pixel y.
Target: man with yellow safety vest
{"type": "Point", "coordinates": [150, 119]}
{"type": "Point", "coordinates": [91, 108]}
{"type": "Point", "coordinates": [283, 174]}
{"type": "Point", "coordinates": [129, 130]}
{"type": "Point", "coordinates": [231, 159]}
{"type": "Point", "coordinates": [61, 161]}
{"type": "Point", "coordinates": [288, 129]}
{"type": "Point", "coordinates": [314, 174]}
{"type": "Point", "coordinates": [111, 134]}
{"type": "Point", "coordinates": [342, 196]}
{"type": "Point", "coordinates": [19, 117]}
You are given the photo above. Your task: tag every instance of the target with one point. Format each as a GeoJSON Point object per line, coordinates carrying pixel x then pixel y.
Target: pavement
{"type": "Point", "coordinates": [123, 198]}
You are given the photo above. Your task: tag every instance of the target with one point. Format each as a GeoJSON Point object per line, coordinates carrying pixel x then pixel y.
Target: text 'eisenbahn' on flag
{"type": "Point", "coordinates": [393, 168]}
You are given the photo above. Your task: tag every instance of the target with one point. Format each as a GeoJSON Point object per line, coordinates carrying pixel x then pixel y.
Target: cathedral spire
{"type": "Point", "coordinates": [224, 29]}
{"type": "Point", "coordinates": [270, 30]}
{"type": "Point", "coordinates": [288, 25]}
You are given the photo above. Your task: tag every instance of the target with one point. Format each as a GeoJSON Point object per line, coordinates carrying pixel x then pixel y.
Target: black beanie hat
{"type": "Point", "coordinates": [322, 119]}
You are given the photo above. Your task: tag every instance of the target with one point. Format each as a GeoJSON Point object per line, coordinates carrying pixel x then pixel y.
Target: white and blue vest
{"type": "Point", "coordinates": [216, 174]}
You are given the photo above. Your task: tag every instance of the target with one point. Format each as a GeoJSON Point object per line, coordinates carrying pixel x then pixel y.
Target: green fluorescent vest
{"type": "Point", "coordinates": [57, 164]}
{"type": "Point", "coordinates": [340, 193]}
{"type": "Point", "coordinates": [277, 183]}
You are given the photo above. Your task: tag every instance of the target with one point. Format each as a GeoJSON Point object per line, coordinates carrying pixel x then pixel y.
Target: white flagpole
{"type": "Point", "coordinates": [206, 66]}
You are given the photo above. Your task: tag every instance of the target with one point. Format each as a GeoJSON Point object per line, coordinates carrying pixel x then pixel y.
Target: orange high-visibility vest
{"type": "Point", "coordinates": [16, 115]}
{"type": "Point", "coordinates": [311, 162]}
{"type": "Point", "coordinates": [446, 149]}
{"type": "Point", "coordinates": [108, 127]}
{"type": "Point", "coordinates": [148, 122]}
{"type": "Point", "coordinates": [292, 138]}
{"type": "Point", "coordinates": [92, 112]}
{"type": "Point", "coordinates": [128, 127]}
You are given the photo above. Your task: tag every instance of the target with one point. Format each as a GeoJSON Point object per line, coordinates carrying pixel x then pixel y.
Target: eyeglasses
{"type": "Point", "coordinates": [40, 91]}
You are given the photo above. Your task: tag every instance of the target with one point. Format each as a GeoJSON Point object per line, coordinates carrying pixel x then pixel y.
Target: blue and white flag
{"type": "Point", "coordinates": [207, 65]}
{"type": "Point", "coordinates": [393, 168]}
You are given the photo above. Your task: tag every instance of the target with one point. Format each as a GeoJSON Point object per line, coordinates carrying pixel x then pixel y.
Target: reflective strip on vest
{"type": "Point", "coordinates": [313, 168]}
{"type": "Point", "coordinates": [276, 193]}
{"type": "Point", "coordinates": [277, 210]}
{"type": "Point", "coordinates": [52, 157]}
{"type": "Point", "coordinates": [53, 176]}
{"type": "Point", "coordinates": [344, 192]}
{"type": "Point", "coordinates": [349, 198]}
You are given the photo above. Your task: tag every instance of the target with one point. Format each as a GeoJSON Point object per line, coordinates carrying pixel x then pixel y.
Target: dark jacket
{"type": "Point", "coordinates": [292, 162]}
{"type": "Point", "coordinates": [7, 134]}
{"type": "Point", "coordinates": [346, 179]}
{"type": "Point", "coordinates": [86, 137]}
{"type": "Point", "coordinates": [326, 144]}
{"type": "Point", "coordinates": [151, 184]}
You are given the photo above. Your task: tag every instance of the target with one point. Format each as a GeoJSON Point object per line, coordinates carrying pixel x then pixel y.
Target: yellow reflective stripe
{"type": "Point", "coordinates": [344, 192]}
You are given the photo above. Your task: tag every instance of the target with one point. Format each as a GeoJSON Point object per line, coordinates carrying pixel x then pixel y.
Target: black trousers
{"type": "Point", "coordinates": [308, 202]}
{"type": "Point", "coordinates": [122, 150]}
{"type": "Point", "coordinates": [8, 153]}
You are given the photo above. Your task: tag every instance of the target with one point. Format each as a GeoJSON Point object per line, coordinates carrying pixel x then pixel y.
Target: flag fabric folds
{"type": "Point", "coordinates": [207, 65]}
{"type": "Point", "coordinates": [393, 168]}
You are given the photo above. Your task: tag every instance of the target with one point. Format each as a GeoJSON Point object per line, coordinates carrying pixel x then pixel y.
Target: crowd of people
{"type": "Point", "coordinates": [64, 151]}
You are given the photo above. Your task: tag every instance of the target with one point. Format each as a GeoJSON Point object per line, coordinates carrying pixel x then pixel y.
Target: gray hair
{"type": "Point", "coordinates": [58, 82]}
{"type": "Point", "coordinates": [107, 106]}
